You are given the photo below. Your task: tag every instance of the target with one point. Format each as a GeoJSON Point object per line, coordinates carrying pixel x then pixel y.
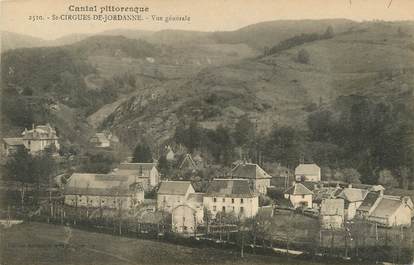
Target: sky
{"type": "Point", "coordinates": [205, 15]}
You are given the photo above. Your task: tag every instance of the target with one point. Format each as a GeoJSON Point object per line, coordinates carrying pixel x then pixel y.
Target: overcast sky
{"type": "Point", "coordinates": [206, 15]}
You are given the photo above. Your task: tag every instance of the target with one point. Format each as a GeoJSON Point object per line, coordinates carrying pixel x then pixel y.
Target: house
{"type": "Point", "coordinates": [299, 196]}
{"type": "Point", "coordinates": [103, 191]}
{"type": "Point", "coordinates": [11, 145]}
{"type": "Point", "coordinates": [187, 216]}
{"type": "Point", "coordinates": [100, 140]}
{"type": "Point", "coordinates": [146, 173]}
{"type": "Point", "coordinates": [39, 138]}
{"type": "Point", "coordinates": [258, 179]}
{"type": "Point", "coordinates": [308, 172]}
{"type": "Point", "coordinates": [332, 213]}
{"type": "Point", "coordinates": [231, 196]}
{"type": "Point", "coordinates": [103, 139]}
{"type": "Point", "coordinates": [172, 194]}
{"type": "Point", "coordinates": [353, 199]}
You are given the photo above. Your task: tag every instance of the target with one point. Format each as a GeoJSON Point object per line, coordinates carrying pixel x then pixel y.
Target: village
{"type": "Point", "coordinates": [297, 212]}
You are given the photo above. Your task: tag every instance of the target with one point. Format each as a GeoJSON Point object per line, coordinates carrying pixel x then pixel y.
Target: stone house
{"type": "Point", "coordinates": [172, 194]}
{"type": "Point", "coordinates": [231, 196]}
{"type": "Point", "coordinates": [353, 199]}
{"type": "Point", "coordinates": [299, 196]}
{"type": "Point", "coordinates": [308, 172]}
{"type": "Point", "coordinates": [258, 179]}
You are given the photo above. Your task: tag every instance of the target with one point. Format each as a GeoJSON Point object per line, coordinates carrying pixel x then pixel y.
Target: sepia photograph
{"type": "Point", "coordinates": [211, 132]}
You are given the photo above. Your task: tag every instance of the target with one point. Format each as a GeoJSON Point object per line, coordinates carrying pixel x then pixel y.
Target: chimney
{"type": "Point", "coordinates": [350, 185]}
{"type": "Point", "coordinates": [381, 192]}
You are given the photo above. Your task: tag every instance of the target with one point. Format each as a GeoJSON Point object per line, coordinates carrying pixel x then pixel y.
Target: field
{"type": "Point", "coordinates": [37, 243]}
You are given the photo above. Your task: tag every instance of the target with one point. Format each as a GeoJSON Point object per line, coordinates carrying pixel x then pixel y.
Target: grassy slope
{"type": "Point", "coordinates": [36, 243]}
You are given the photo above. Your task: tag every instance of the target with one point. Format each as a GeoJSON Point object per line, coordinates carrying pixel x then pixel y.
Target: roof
{"type": "Point", "coordinates": [230, 188]}
{"type": "Point", "coordinates": [40, 132]}
{"type": "Point", "coordinates": [249, 171]}
{"type": "Point", "coordinates": [136, 166]}
{"type": "Point", "coordinates": [387, 207]}
{"type": "Point", "coordinates": [368, 187]}
{"type": "Point", "coordinates": [353, 195]}
{"type": "Point", "coordinates": [174, 187]}
{"type": "Point", "coordinates": [13, 141]}
{"type": "Point", "coordinates": [308, 169]}
{"type": "Point", "coordinates": [188, 162]}
{"type": "Point", "coordinates": [369, 201]}
{"type": "Point", "coordinates": [332, 207]}
{"type": "Point", "coordinates": [298, 189]}
{"type": "Point", "coordinates": [101, 184]}
{"type": "Point", "coordinates": [323, 193]}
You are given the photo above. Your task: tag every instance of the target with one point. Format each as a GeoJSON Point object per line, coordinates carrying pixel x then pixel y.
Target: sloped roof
{"type": "Point", "coordinates": [332, 207]}
{"type": "Point", "coordinates": [40, 132]}
{"type": "Point", "coordinates": [307, 169]}
{"type": "Point", "coordinates": [13, 141]}
{"type": "Point", "coordinates": [369, 201]}
{"type": "Point", "coordinates": [174, 187]}
{"type": "Point", "coordinates": [353, 195]}
{"type": "Point", "coordinates": [324, 193]}
{"type": "Point", "coordinates": [298, 189]}
{"type": "Point", "coordinates": [249, 171]}
{"type": "Point", "coordinates": [136, 166]}
{"type": "Point", "coordinates": [188, 160]}
{"type": "Point", "coordinates": [386, 207]}
{"type": "Point", "coordinates": [101, 184]}
{"type": "Point", "coordinates": [230, 188]}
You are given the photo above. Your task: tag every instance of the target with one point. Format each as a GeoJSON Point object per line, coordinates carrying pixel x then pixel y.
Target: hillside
{"type": "Point", "coordinates": [371, 60]}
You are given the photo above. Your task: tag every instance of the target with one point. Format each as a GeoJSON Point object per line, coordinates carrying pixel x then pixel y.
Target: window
{"type": "Point", "coordinates": [241, 209]}
{"type": "Point", "coordinates": [224, 199]}
{"type": "Point", "coordinates": [241, 201]}
{"type": "Point", "coordinates": [214, 199]}
{"type": "Point", "coordinates": [303, 196]}
{"type": "Point", "coordinates": [214, 208]}
{"type": "Point", "coordinates": [232, 201]}
{"type": "Point", "coordinates": [233, 208]}
{"type": "Point", "coordinates": [224, 209]}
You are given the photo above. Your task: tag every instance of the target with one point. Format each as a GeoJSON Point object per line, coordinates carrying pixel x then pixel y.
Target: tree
{"type": "Point", "coordinates": [303, 57]}
{"type": "Point", "coordinates": [142, 154]}
{"type": "Point", "coordinates": [348, 175]}
{"type": "Point", "coordinates": [243, 131]}
{"type": "Point", "coordinates": [164, 166]}
{"type": "Point", "coordinates": [387, 179]}
{"type": "Point", "coordinates": [18, 167]}
{"type": "Point", "coordinates": [98, 163]}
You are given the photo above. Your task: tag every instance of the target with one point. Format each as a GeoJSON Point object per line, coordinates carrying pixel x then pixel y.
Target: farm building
{"type": "Point", "coordinates": [146, 173]}
{"type": "Point", "coordinates": [103, 191]}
